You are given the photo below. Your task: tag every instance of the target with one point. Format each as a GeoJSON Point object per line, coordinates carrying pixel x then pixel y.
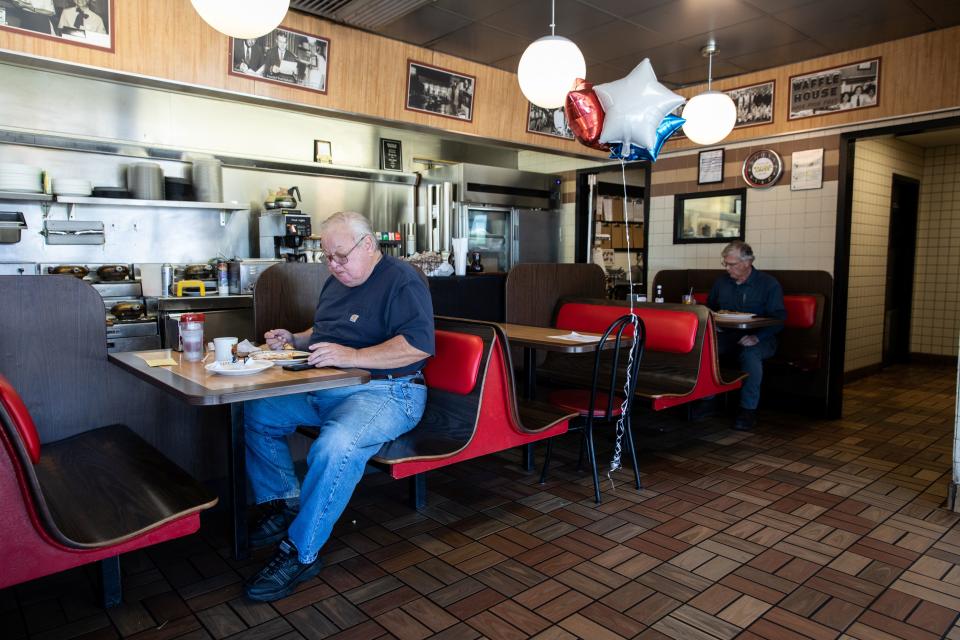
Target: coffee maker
{"type": "Point", "coordinates": [282, 233]}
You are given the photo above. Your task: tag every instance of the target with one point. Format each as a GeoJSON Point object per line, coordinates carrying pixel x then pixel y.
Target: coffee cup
{"type": "Point", "coordinates": [223, 349]}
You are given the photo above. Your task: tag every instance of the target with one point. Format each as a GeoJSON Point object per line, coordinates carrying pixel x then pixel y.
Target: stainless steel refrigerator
{"type": "Point", "coordinates": [509, 216]}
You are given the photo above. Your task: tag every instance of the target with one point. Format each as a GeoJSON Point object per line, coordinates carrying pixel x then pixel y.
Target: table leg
{"type": "Point", "coordinates": [530, 372]}
{"type": "Point", "coordinates": [238, 482]}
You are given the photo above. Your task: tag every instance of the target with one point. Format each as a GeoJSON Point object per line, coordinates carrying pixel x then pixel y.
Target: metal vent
{"type": "Point", "coordinates": [365, 14]}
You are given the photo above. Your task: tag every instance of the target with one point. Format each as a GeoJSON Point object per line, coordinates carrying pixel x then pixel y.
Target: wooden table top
{"type": "Point", "coordinates": [522, 335]}
{"type": "Point", "coordinates": [193, 384]}
{"type": "Point", "coordinates": [753, 323]}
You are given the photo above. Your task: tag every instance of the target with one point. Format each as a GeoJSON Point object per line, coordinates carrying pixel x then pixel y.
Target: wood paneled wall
{"type": "Point", "coordinates": [368, 74]}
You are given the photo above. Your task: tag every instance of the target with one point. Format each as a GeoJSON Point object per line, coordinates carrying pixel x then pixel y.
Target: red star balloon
{"type": "Point", "coordinates": [585, 115]}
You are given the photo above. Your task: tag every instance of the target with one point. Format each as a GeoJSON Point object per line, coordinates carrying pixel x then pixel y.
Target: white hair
{"type": "Point", "coordinates": [358, 224]}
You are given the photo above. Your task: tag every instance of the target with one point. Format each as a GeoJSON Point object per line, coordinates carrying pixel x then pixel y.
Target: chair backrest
{"type": "Point", "coordinates": [20, 417]}
{"type": "Point", "coordinates": [608, 376]}
{"type": "Point", "coordinates": [456, 364]}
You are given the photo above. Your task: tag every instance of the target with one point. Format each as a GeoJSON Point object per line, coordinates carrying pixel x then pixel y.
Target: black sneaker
{"type": "Point", "coordinates": [281, 575]}
{"type": "Point", "coordinates": [272, 526]}
{"type": "Point", "coordinates": [746, 419]}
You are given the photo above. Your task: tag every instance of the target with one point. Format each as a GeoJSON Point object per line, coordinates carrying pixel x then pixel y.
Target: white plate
{"type": "Point", "coordinates": [736, 316]}
{"type": "Point", "coordinates": [239, 368]}
{"type": "Point", "coordinates": [293, 357]}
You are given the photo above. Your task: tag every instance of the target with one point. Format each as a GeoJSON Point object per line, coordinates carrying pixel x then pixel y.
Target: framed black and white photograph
{"type": "Point", "coordinates": [710, 166]}
{"type": "Point", "coordinates": [283, 56]}
{"type": "Point", "coordinates": [440, 91]}
{"type": "Point", "coordinates": [754, 104]}
{"type": "Point", "coordinates": [717, 216]}
{"type": "Point", "coordinates": [322, 151]}
{"type": "Point", "coordinates": [391, 155]}
{"type": "Point", "coordinates": [548, 122]}
{"type": "Point", "coordinates": [87, 23]}
{"type": "Point", "coordinates": [853, 86]}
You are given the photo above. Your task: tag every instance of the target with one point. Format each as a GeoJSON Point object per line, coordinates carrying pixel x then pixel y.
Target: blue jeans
{"type": "Point", "coordinates": [354, 422]}
{"type": "Point", "coordinates": [751, 361]}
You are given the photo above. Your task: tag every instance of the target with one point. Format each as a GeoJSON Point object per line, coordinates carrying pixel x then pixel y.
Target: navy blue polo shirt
{"type": "Point", "coordinates": [760, 294]}
{"type": "Point", "coordinates": [393, 301]}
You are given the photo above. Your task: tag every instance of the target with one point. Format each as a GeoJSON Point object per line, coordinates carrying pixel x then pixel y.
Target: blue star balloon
{"type": "Point", "coordinates": [667, 127]}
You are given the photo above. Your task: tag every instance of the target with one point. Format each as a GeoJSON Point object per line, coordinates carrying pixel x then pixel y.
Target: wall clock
{"type": "Point", "coordinates": [762, 168]}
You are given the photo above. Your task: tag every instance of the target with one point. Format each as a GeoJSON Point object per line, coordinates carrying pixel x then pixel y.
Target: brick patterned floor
{"type": "Point", "coordinates": [801, 529]}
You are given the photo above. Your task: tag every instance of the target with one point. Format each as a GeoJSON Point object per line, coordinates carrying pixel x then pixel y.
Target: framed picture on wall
{"type": "Point", "coordinates": [717, 216]}
{"type": "Point", "coordinates": [710, 166]}
{"type": "Point", "coordinates": [548, 122]}
{"type": "Point", "coordinates": [391, 155]}
{"type": "Point", "coordinates": [87, 23]}
{"type": "Point", "coordinates": [754, 104]}
{"type": "Point", "coordinates": [283, 56]}
{"type": "Point", "coordinates": [440, 91]}
{"type": "Point", "coordinates": [853, 86]}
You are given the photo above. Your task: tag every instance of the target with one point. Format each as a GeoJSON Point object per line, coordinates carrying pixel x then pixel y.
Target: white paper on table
{"type": "Point", "coordinates": [288, 67]}
{"type": "Point", "coordinates": [576, 337]}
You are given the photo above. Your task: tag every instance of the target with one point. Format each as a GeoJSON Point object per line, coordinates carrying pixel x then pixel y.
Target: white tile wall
{"type": "Point", "coordinates": [875, 162]}
{"type": "Point", "coordinates": [936, 287]}
{"type": "Point", "coordinates": [787, 230]}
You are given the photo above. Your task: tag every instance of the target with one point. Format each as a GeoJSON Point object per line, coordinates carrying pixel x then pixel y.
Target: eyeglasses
{"type": "Point", "coordinates": [729, 265]}
{"type": "Point", "coordinates": [343, 259]}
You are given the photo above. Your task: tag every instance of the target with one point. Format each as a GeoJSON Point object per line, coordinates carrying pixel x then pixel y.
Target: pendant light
{"type": "Point", "coordinates": [242, 18]}
{"type": "Point", "coordinates": [549, 67]}
{"type": "Point", "coordinates": [711, 115]}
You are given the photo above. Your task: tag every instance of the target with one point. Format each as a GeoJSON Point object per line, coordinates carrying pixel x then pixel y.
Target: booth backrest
{"type": "Point", "coordinates": [801, 311]}
{"type": "Point", "coordinates": [701, 296]}
{"type": "Point", "coordinates": [21, 419]}
{"type": "Point", "coordinates": [667, 331]}
{"type": "Point", "coordinates": [456, 364]}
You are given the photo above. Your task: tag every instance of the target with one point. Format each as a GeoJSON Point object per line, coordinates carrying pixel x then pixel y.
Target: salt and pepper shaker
{"type": "Point", "coordinates": [166, 278]}
{"type": "Point", "coordinates": [659, 297]}
{"type": "Point", "coordinates": [223, 279]}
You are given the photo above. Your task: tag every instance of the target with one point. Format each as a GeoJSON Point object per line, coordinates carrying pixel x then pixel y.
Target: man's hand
{"type": "Point", "coordinates": [276, 338]}
{"type": "Point", "coordinates": [244, 68]}
{"type": "Point", "coordinates": [749, 341]}
{"type": "Point", "coordinates": [329, 354]}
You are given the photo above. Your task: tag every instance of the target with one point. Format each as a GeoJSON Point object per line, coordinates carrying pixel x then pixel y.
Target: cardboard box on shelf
{"type": "Point", "coordinates": [603, 240]}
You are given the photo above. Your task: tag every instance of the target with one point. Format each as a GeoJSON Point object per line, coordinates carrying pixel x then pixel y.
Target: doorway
{"type": "Point", "coordinates": [901, 254]}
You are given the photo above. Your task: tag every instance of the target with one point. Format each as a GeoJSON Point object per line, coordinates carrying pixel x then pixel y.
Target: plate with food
{"type": "Point", "coordinates": [281, 357]}
{"type": "Point", "coordinates": [738, 316]}
{"type": "Point", "coordinates": [242, 368]}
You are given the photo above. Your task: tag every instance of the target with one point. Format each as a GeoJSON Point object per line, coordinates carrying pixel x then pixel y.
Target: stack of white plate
{"type": "Point", "coordinates": [20, 177]}
{"type": "Point", "coordinates": [145, 180]}
{"type": "Point", "coordinates": [72, 187]}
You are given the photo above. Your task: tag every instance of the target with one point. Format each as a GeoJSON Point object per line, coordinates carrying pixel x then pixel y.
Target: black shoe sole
{"type": "Point", "coordinates": [279, 593]}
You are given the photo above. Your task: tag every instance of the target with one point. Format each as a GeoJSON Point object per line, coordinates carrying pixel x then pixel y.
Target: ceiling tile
{"type": "Point", "coordinates": [747, 37]}
{"type": "Point", "coordinates": [424, 25]}
{"type": "Point", "coordinates": [509, 63]}
{"type": "Point", "coordinates": [600, 73]}
{"type": "Point", "coordinates": [945, 13]}
{"type": "Point", "coordinates": [853, 32]}
{"type": "Point", "coordinates": [686, 18]}
{"type": "Point", "coordinates": [696, 75]}
{"type": "Point", "coordinates": [774, 6]}
{"type": "Point", "coordinates": [623, 8]}
{"type": "Point", "coordinates": [480, 43]}
{"type": "Point", "coordinates": [478, 10]}
{"type": "Point", "coordinates": [777, 56]}
{"type": "Point", "coordinates": [826, 15]}
{"type": "Point", "coordinates": [531, 20]}
{"type": "Point", "coordinates": [666, 58]}
{"type": "Point", "coordinates": [615, 40]}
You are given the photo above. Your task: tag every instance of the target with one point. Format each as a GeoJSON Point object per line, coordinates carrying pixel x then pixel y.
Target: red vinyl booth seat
{"type": "Point", "coordinates": [51, 526]}
{"type": "Point", "coordinates": [801, 311]}
{"type": "Point", "coordinates": [667, 331]}
{"type": "Point", "coordinates": [456, 364]}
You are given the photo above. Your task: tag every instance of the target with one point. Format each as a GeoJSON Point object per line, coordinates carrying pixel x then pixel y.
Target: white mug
{"type": "Point", "coordinates": [223, 349]}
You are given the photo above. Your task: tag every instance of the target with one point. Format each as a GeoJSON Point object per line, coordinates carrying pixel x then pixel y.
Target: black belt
{"type": "Point", "coordinates": [393, 376]}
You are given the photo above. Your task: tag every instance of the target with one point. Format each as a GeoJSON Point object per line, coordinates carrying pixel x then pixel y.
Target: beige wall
{"type": "Point", "coordinates": [936, 294]}
{"type": "Point", "coordinates": [875, 162]}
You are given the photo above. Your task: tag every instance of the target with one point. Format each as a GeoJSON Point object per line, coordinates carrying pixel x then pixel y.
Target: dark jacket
{"type": "Point", "coordinates": [760, 294]}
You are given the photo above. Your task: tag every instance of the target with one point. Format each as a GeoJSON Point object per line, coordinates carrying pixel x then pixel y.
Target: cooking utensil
{"type": "Point", "coordinates": [284, 200]}
{"type": "Point", "coordinates": [127, 310]}
{"type": "Point", "coordinates": [145, 180]}
{"type": "Point", "coordinates": [75, 270]}
{"type": "Point", "coordinates": [193, 287]}
{"type": "Point", "coordinates": [112, 272]}
{"type": "Point", "coordinates": [178, 189]}
{"type": "Point", "coordinates": [199, 272]}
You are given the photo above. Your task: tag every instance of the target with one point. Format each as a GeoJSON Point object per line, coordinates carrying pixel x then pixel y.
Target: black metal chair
{"type": "Point", "coordinates": [604, 401]}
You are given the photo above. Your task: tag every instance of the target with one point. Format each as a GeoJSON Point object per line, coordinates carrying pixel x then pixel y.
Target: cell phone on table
{"type": "Point", "coordinates": [300, 366]}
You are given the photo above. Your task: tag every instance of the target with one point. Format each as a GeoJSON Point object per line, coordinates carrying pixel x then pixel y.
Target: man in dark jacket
{"type": "Point", "coordinates": [747, 290]}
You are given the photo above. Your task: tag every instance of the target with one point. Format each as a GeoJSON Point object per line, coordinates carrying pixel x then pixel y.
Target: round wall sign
{"type": "Point", "coordinates": [762, 168]}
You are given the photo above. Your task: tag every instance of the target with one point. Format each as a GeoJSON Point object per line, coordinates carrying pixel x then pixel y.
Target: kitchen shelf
{"type": "Point", "coordinates": [20, 195]}
{"type": "Point", "coordinates": [170, 204]}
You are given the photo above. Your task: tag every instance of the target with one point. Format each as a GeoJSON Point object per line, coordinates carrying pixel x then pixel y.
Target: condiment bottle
{"type": "Point", "coordinates": [659, 297]}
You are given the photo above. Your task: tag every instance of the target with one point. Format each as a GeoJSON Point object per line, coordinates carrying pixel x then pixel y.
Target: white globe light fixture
{"type": "Point", "coordinates": [549, 67]}
{"type": "Point", "coordinates": [242, 18]}
{"type": "Point", "coordinates": [711, 115]}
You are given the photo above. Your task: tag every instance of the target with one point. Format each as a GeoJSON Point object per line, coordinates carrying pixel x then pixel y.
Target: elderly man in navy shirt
{"type": "Point", "coordinates": [374, 313]}
{"type": "Point", "coordinates": [747, 290]}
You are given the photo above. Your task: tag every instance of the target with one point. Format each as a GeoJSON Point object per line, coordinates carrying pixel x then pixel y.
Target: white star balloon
{"type": "Point", "coordinates": [633, 107]}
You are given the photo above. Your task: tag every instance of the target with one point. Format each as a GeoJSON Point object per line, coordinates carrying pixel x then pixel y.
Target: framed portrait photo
{"type": "Point", "coordinates": [283, 56]}
{"type": "Point", "coordinates": [852, 86]}
{"type": "Point", "coordinates": [754, 104]}
{"type": "Point", "coordinates": [322, 151]}
{"type": "Point", "coordinates": [548, 122]}
{"type": "Point", "coordinates": [87, 23]}
{"type": "Point", "coordinates": [440, 91]}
